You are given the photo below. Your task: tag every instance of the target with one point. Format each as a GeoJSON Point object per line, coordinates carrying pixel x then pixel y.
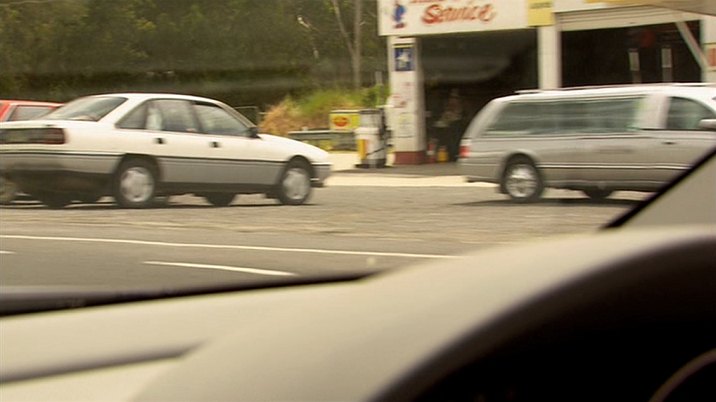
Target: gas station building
{"type": "Point", "coordinates": [482, 49]}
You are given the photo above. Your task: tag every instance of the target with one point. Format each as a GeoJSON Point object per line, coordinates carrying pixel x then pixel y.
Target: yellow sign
{"type": "Point", "coordinates": [344, 120]}
{"type": "Point", "coordinates": [540, 13]}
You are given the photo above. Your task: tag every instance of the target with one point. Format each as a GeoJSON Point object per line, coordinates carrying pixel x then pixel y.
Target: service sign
{"type": "Point", "coordinates": [426, 17]}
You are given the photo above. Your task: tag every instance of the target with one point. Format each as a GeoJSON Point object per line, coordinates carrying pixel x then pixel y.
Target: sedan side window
{"type": "Point", "coordinates": [135, 120]}
{"type": "Point", "coordinates": [145, 117]}
{"type": "Point", "coordinates": [154, 118]}
{"type": "Point", "coordinates": [176, 115]}
{"type": "Point", "coordinates": [162, 115]}
{"type": "Point", "coordinates": [685, 114]}
{"type": "Point", "coordinates": [215, 120]}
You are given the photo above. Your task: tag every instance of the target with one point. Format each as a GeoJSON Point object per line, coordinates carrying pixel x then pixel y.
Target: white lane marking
{"type": "Point", "coordinates": [6, 252]}
{"type": "Point", "coordinates": [229, 247]}
{"type": "Point", "coordinates": [221, 267]}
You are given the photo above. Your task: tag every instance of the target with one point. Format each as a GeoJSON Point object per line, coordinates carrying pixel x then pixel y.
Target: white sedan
{"type": "Point", "coordinates": [135, 147]}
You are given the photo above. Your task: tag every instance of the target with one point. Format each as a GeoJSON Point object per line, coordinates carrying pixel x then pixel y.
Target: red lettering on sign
{"type": "Point", "coordinates": [436, 13]}
{"type": "Point", "coordinates": [432, 14]}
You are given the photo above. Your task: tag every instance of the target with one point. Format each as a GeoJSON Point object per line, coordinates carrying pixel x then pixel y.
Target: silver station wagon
{"type": "Point", "coordinates": [596, 140]}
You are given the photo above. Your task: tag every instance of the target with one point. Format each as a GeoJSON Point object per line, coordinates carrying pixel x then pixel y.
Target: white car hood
{"type": "Point", "coordinates": [314, 154]}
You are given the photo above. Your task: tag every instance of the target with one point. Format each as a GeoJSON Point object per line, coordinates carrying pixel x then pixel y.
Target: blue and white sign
{"type": "Point", "coordinates": [404, 58]}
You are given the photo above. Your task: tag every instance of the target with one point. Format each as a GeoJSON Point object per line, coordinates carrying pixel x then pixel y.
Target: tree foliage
{"type": "Point", "coordinates": [242, 51]}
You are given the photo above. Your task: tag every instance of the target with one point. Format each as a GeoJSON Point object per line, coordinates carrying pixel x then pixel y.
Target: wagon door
{"type": "Point", "coordinates": [682, 142]}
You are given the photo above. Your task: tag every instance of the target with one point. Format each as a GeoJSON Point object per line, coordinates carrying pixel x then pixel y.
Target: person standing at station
{"type": "Point", "coordinates": [451, 123]}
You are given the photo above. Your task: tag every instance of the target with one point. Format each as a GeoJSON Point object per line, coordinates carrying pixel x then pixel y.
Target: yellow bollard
{"type": "Point", "coordinates": [362, 149]}
{"type": "Point", "coordinates": [442, 155]}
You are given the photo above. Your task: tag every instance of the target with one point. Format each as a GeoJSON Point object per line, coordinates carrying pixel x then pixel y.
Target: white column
{"type": "Point", "coordinates": [407, 115]}
{"type": "Point", "coordinates": [549, 50]}
{"type": "Point", "coordinates": [708, 41]}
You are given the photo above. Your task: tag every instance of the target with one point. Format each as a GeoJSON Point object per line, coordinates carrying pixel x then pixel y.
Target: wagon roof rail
{"type": "Point", "coordinates": [656, 84]}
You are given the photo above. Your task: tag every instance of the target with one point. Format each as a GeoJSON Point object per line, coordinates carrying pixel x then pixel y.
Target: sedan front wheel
{"type": "Point", "coordinates": [294, 188]}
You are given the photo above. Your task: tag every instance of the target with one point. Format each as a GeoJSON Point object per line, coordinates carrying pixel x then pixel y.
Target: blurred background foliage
{"type": "Point", "coordinates": [243, 52]}
{"type": "Point", "coordinates": [312, 109]}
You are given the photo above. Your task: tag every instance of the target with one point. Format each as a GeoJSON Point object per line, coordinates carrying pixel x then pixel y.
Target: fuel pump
{"type": "Point", "coordinates": [372, 138]}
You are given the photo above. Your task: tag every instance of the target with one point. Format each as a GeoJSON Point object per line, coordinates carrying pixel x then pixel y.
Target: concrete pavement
{"type": "Point", "coordinates": [345, 173]}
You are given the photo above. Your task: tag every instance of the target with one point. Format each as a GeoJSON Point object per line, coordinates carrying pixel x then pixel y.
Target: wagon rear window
{"type": "Point", "coordinates": [567, 116]}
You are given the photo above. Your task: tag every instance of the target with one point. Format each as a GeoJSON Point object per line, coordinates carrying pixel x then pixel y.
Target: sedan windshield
{"type": "Point", "coordinates": [86, 109]}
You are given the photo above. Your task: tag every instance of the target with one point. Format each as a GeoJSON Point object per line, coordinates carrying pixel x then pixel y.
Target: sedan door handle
{"type": "Point", "coordinates": [159, 140]}
{"type": "Point", "coordinates": [215, 144]}
{"type": "Point", "coordinates": [668, 142]}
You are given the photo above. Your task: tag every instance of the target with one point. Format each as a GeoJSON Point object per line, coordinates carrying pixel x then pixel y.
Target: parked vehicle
{"type": "Point", "coordinates": [15, 110]}
{"type": "Point", "coordinates": [138, 146]}
{"type": "Point", "coordinates": [597, 140]}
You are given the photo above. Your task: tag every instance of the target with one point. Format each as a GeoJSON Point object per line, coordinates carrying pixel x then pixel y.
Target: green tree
{"type": "Point", "coordinates": [246, 51]}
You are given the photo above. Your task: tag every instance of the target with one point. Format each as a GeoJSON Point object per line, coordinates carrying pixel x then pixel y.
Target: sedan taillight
{"type": "Point", "coordinates": [53, 136]}
{"type": "Point", "coordinates": [47, 135]}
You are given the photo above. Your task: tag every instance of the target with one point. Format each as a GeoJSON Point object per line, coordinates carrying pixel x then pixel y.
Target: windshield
{"type": "Point", "coordinates": [86, 109]}
{"type": "Point", "coordinates": [392, 133]}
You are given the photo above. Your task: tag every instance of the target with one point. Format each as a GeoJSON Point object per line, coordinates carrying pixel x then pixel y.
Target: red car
{"type": "Point", "coordinates": [13, 110]}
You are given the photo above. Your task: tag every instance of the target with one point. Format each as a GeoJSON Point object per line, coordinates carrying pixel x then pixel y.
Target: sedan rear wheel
{"type": "Point", "coordinates": [522, 181]}
{"type": "Point", "coordinates": [294, 188]}
{"type": "Point", "coordinates": [135, 184]}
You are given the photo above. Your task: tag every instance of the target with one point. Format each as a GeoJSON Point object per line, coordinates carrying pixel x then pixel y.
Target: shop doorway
{"type": "Point", "coordinates": [645, 54]}
{"type": "Point", "coordinates": [465, 72]}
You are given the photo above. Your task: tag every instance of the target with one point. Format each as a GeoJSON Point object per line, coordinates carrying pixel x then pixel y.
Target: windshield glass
{"type": "Point", "coordinates": [250, 143]}
{"type": "Point", "coordinates": [86, 109]}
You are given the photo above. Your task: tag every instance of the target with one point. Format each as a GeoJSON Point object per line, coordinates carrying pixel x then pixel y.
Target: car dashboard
{"type": "Point", "coordinates": [611, 315]}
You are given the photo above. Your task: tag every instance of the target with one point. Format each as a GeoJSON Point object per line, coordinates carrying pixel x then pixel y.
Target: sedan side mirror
{"type": "Point", "coordinates": [254, 131]}
{"type": "Point", "coordinates": [708, 124]}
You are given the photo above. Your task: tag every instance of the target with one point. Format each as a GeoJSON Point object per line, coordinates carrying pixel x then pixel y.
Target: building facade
{"type": "Point", "coordinates": [467, 52]}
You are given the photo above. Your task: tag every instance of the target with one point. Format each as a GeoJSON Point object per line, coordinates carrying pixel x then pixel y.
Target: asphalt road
{"type": "Point", "coordinates": [361, 222]}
